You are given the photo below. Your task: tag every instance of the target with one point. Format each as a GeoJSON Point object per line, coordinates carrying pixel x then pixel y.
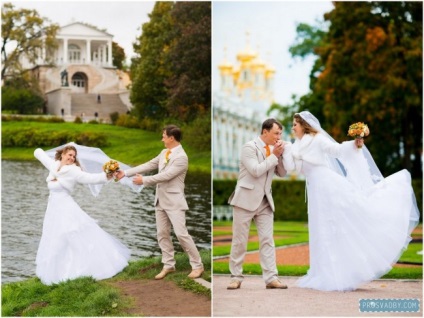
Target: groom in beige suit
{"type": "Point", "coordinates": [170, 202]}
{"type": "Point", "coordinates": [252, 199]}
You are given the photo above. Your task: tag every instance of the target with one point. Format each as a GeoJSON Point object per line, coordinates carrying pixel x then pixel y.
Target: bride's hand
{"type": "Point", "coordinates": [359, 142]}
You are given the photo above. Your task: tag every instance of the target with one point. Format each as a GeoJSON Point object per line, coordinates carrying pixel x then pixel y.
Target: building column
{"type": "Point", "coordinates": [88, 57]}
{"type": "Point", "coordinates": [109, 59]}
{"type": "Point", "coordinates": [104, 55]}
{"type": "Point", "coordinates": [65, 51]}
{"type": "Point", "coordinates": [99, 55]}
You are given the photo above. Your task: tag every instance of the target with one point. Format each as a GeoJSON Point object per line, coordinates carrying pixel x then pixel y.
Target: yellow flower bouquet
{"type": "Point", "coordinates": [111, 167]}
{"type": "Point", "coordinates": [358, 130]}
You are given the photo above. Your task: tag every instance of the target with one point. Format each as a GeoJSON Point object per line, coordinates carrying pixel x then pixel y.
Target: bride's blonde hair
{"type": "Point", "coordinates": [308, 128]}
{"type": "Point", "coordinates": [64, 150]}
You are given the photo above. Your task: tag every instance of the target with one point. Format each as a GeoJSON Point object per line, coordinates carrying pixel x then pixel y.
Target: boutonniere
{"type": "Point", "coordinates": [167, 157]}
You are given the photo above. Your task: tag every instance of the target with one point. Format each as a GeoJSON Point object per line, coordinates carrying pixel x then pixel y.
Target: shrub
{"type": "Point", "coordinates": [32, 138]}
{"type": "Point", "coordinates": [43, 119]}
{"type": "Point", "coordinates": [127, 121]}
{"type": "Point", "coordinates": [289, 197]}
{"type": "Point", "coordinates": [78, 120]}
{"type": "Point", "coordinates": [114, 117]}
{"type": "Point", "coordinates": [198, 132]}
{"type": "Point", "coordinates": [21, 100]}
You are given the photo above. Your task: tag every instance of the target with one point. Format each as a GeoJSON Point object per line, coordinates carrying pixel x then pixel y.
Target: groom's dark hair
{"type": "Point", "coordinates": [269, 123]}
{"type": "Point", "coordinates": [174, 131]}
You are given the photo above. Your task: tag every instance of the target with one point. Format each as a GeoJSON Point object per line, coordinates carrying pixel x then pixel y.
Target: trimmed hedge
{"type": "Point", "coordinates": [31, 138]}
{"type": "Point", "coordinates": [41, 119]}
{"type": "Point", "coordinates": [289, 197]}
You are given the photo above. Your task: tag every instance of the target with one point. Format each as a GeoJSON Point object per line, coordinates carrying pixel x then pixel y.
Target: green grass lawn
{"type": "Point", "coordinates": [84, 297]}
{"type": "Point", "coordinates": [130, 146]}
{"type": "Point", "coordinates": [297, 232]}
{"type": "Point", "coordinates": [293, 232]}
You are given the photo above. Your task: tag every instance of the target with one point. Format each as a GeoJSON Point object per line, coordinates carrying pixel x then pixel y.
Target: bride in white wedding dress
{"type": "Point", "coordinates": [359, 222]}
{"type": "Point", "coordinates": [72, 244]}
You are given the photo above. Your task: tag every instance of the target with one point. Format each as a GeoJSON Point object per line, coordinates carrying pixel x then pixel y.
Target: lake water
{"type": "Point", "coordinates": [127, 215]}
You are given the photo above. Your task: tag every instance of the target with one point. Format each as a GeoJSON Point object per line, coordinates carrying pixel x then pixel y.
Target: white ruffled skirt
{"type": "Point", "coordinates": [355, 236]}
{"type": "Point", "coordinates": [73, 245]}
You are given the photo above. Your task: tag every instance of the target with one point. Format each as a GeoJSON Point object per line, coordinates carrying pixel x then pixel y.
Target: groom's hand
{"type": "Point", "coordinates": [278, 148]}
{"type": "Point", "coordinates": [138, 179]}
{"type": "Point", "coordinates": [119, 174]}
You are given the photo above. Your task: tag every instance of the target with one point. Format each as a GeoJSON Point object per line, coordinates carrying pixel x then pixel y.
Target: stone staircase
{"type": "Point", "coordinates": [87, 104]}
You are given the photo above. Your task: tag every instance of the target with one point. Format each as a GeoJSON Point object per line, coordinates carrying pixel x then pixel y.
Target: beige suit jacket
{"type": "Point", "coordinates": [169, 180]}
{"type": "Point", "coordinates": [255, 177]}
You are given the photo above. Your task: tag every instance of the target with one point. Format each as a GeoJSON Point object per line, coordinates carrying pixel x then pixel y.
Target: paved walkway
{"type": "Point", "coordinates": [252, 299]}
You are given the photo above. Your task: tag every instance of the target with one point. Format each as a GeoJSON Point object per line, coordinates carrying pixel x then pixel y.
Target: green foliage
{"type": "Point", "coordinates": [369, 68]}
{"type": "Point", "coordinates": [41, 119]}
{"type": "Point", "coordinates": [77, 120]}
{"type": "Point", "coordinates": [189, 57]}
{"type": "Point", "coordinates": [23, 31]}
{"type": "Point", "coordinates": [21, 100]}
{"type": "Point", "coordinates": [128, 121]}
{"type": "Point", "coordinates": [149, 70]}
{"type": "Point", "coordinates": [198, 133]}
{"type": "Point", "coordinates": [290, 202]}
{"type": "Point", "coordinates": [30, 137]}
{"type": "Point", "coordinates": [118, 56]}
{"type": "Point", "coordinates": [114, 117]}
{"type": "Point", "coordinates": [171, 76]}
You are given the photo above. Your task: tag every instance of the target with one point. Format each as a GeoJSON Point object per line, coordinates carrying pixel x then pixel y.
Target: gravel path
{"type": "Point", "coordinates": [252, 299]}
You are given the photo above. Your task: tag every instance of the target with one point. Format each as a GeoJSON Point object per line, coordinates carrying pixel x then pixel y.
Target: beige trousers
{"type": "Point", "coordinates": [264, 220]}
{"type": "Point", "coordinates": [176, 219]}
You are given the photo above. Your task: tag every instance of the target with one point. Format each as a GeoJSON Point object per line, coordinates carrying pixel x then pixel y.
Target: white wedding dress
{"type": "Point", "coordinates": [357, 229]}
{"type": "Point", "coordinates": [72, 244]}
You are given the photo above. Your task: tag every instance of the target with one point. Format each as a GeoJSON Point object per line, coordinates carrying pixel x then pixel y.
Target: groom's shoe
{"type": "Point", "coordinates": [196, 273]}
{"type": "Point", "coordinates": [276, 284]}
{"type": "Point", "coordinates": [164, 272]}
{"type": "Point", "coordinates": [234, 284]}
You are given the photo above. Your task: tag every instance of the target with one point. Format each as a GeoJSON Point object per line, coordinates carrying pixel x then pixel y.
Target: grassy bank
{"type": "Point", "coordinates": [86, 297]}
{"type": "Point", "coordinates": [131, 146]}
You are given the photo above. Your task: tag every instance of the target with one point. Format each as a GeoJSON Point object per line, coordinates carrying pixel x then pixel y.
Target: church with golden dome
{"type": "Point", "coordinates": [240, 104]}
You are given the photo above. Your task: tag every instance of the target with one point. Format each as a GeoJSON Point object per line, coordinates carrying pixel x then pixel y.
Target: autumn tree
{"type": "Point", "coordinates": [369, 68]}
{"type": "Point", "coordinates": [149, 70]}
{"type": "Point", "coordinates": [23, 32]}
{"type": "Point", "coordinates": [118, 56]}
{"type": "Point", "coordinates": [189, 57]}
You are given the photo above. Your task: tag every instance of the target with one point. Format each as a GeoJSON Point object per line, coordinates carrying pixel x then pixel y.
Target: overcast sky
{"type": "Point", "coordinates": [272, 26]}
{"type": "Point", "coordinates": [121, 19]}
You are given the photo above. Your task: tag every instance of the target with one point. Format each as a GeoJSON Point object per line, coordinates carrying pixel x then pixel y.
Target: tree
{"type": "Point", "coordinates": [189, 57]}
{"type": "Point", "coordinates": [149, 70]}
{"type": "Point", "coordinates": [24, 32]}
{"type": "Point", "coordinates": [369, 68]}
{"type": "Point", "coordinates": [118, 56]}
{"type": "Point", "coordinates": [20, 95]}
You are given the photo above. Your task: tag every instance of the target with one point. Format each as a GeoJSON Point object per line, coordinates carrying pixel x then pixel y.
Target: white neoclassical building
{"type": "Point", "coordinates": [239, 108]}
{"type": "Point", "coordinates": [78, 78]}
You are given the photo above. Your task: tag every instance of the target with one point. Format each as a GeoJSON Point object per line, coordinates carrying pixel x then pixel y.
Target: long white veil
{"type": "Point", "coordinates": [336, 164]}
{"type": "Point", "coordinates": [92, 160]}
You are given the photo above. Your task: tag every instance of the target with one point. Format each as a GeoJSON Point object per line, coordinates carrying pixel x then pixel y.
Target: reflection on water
{"type": "Point", "coordinates": [125, 214]}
